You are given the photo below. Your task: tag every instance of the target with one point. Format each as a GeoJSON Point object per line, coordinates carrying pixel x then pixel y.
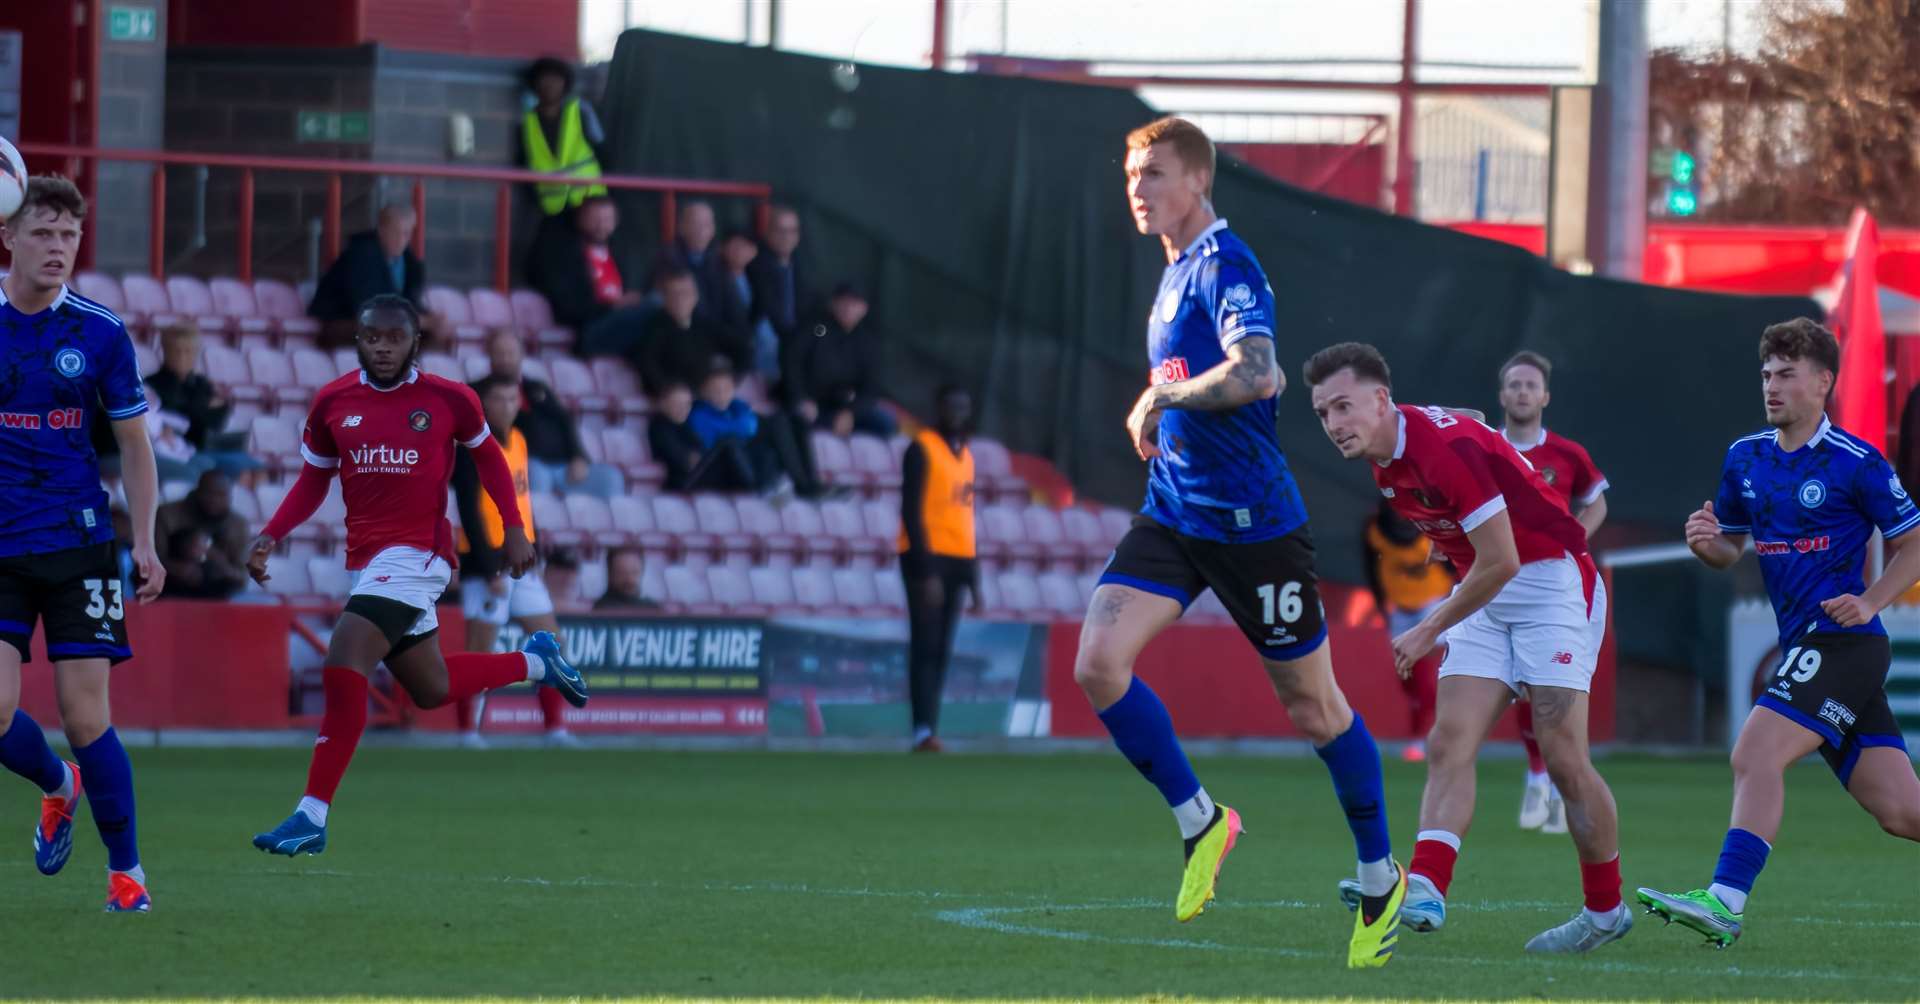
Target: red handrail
{"type": "Point", "coordinates": [333, 169]}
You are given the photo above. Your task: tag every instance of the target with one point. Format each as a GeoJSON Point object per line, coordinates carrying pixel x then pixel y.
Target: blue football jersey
{"type": "Point", "coordinates": [1811, 513]}
{"type": "Point", "coordinates": [57, 369]}
{"type": "Point", "coordinates": [1220, 475]}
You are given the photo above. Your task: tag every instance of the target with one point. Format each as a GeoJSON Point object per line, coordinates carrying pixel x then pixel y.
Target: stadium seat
{"type": "Point", "coordinates": [617, 381]}
{"type": "Point", "coordinates": [591, 516]}
{"type": "Point", "coordinates": [834, 458]}
{"type": "Point", "coordinates": [854, 587]}
{"type": "Point", "coordinates": [733, 591]}
{"type": "Point", "coordinates": [761, 521]}
{"type": "Point", "coordinates": [191, 297]}
{"type": "Point", "coordinates": [634, 518]}
{"type": "Point", "coordinates": [345, 361]}
{"type": "Point", "coordinates": [990, 594]}
{"type": "Point", "coordinates": [999, 534]}
{"type": "Point", "coordinates": [1087, 583]}
{"type": "Point", "coordinates": [842, 520]}
{"type": "Point", "coordinates": [442, 365]}
{"type": "Point", "coordinates": [800, 518]}
{"type": "Point", "coordinates": [687, 589]}
{"type": "Point", "coordinates": [882, 520]}
{"type": "Point", "coordinates": [1044, 533]}
{"type": "Point", "coordinates": [552, 522]}
{"type": "Point", "coordinates": [146, 358]}
{"type": "Point", "coordinates": [458, 311]}
{"type": "Point", "coordinates": [1059, 594]}
{"type": "Point", "coordinates": [247, 505]}
{"type": "Point", "coordinates": [147, 300]}
{"type": "Point", "coordinates": [313, 369]}
{"type": "Point", "coordinates": [674, 515]}
{"type": "Point", "coordinates": [102, 289]}
{"type": "Point", "coordinates": [772, 587]}
{"type": "Point", "coordinates": [329, 576]}
{"type": "Point", "coordinates": [532, 368]}
{"type": "Point", "coordinates": [1019, 594]}
{"type": "Point", "coordinates": [1115, 523]}
{"type": "Point", "coordinates": [813, 589]}
{"type": "Point", "coordinates": [625, 448]}
{"type": "Point", "coordinates": [993, 474]}
{"type": "Point", "coordinates": [1082, 529]}
{"type": "Point", "coordinates": [874, 461]}
{"type": "Point", "coordinates": [174, 491]}
{"type": "Point", "coordinates": [490, 309]}
{"type": "Point", "coordinates": [717, 516]}
{"type": "Point", "coordinates": [289, 578]}
{"type": "Point", "coordinates": [227, 368]}
{"type": "Point", "coordinates": [285, 308]}
{"type": "Point", "coordinates": [273, 372]}
{"type": "Point", "coordinates": [535, 317]}
{"type": "Point", "coordinates": [235, 301]}
{"type": "Point", "coordinates": [573, 381]}
{"type": "Point", "coordinates": [888, 587]}
{"type": "Point", "coordinates": [474, 366]}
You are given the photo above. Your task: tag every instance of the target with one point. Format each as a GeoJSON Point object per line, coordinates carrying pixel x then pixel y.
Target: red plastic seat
{"type": "Point", "coordinates": [281, 305]}
{"type": "Point", "coordinates": [329, 577]}
{"type": "Point", "coordinates": [732, 590]}
{"type": "Point", "coordinates": [617, 381]}
{"type": "Point", "coordinates": [1082, 529]}
{"type": "Point", "coordinates": [312, 368]}
{"type": "Point", "coordinates": [813, 589]}
{"type": "Point", "coordinates": [1060, 594]}
{"type": "Point", "coordinates": [591, 516]}
{"type": "Point", "coordinates": [993, 471]}
{"type": "Point", "coordinates": [277, 442]}
{"type": "Point", "coordinates": [687, 588]}
{"type": "Point", "coordinates": [801, 520]}
{"type": "Point", "coordinates": [442, 365]}
{"type": "Point", "coordinates": [759, 520]}
{"type": "Point", "coordinates": [147, 299]}
{"type": "Point", "coordinates": [535, 317]}
{"type": "Point", "coordinates": [1019, 593]}
{"type": "Point", "coordinates": [888, 587]}
{"type": "Point", "coordinates": [627, 449]}
{"type": "Point", "coordinates": [854, 588]}
{"type": "Point", "coordinates": [1115, 523]}
{"type": "Point", "coordinates": [882, 520]}
{"type": "Point", "coordinates": [874, 460]}
{"type": "Point", "coordinates": [552, 522]}
{"type": "Point", "coordinates": [454, 306]}
{"type": "Point", "coordinates": [227, 368]}
{"type": "Point", "coordinates": [191, 297]}
{"type": "Point", "coordinates": [634, 518]}
{"type": "Point", "coordinates": [717, 516]}
{"type": "Point", "coordinates": [834, 459]}
{"type": "Point", "coordinates": [772, 587]}
{"type": "Point", "coordinates": [674, 515]}
{"type": "Point", "coordinates": [235, 301]}
{"type": "Point", "coordinates": [843, 521]}
{"type": "Point", "coordinates": [1044, 532]}
{"type": "Point", "coordinates": [102, 289]}
{"type": "Point", "coordinates": [1000, 534]}
{"type": "Point", "coordinates": [490, 308]}
{"type": "Point", "coordinates": [274, 371]}
{"type": "Point", "coordinates": [573, 381]}
{"type": "Point", "coordinates": [146, 359]}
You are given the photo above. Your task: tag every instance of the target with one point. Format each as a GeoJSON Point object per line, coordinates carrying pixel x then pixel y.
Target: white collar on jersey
{"type": "Point", "coordinates": [1524, 447]}
{"type": "Point", "coordinates": [1826, 426]}
{"type": "Point", "coordinates": [413, 373]}
{"type": "Point", "coordinates": [1400, 444]}
{"type": "Point", "coordinates": [1212, 228]}
{"type": "Point", "coordinates": [58, 300]}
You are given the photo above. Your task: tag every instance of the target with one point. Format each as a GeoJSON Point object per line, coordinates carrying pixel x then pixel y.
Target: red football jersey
{"type": "Point", "coordinates": [1449, 474]}
{"type": "Point", "coordinates": [1565, 465]}
{"type": "Point", "coordinates": [394, 449]}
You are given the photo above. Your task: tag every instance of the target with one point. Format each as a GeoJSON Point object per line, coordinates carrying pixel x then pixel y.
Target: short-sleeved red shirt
{"type": "Point", "coordinates": [1449, 474]}
{"type": "Point", "coordinates": [1565, 465]}
{"type": "Point", "coordinates": [394, 450]}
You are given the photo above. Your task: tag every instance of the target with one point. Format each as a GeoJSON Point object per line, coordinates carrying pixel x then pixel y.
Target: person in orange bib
{"type": "Point", "coordinates": [489, 598]}
{"type": "Point", "coordinates": [1407, 581]}
{"type": "Point", "coordinates": [936, 553]}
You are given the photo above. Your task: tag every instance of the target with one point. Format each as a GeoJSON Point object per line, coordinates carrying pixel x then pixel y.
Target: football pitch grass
{"type": "Point", "coordinates": [678, 875]}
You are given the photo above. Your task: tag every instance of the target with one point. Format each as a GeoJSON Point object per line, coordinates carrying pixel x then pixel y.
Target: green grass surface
{"type": "Point", "coordinates": [602, 873]}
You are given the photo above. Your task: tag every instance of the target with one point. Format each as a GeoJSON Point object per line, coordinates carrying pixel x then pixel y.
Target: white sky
{"type": "Point", "coordinates": [898, 32]}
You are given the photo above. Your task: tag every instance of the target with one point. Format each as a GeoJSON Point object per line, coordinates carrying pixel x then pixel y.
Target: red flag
{"type": "Point", "coordinates": [1860, 400]}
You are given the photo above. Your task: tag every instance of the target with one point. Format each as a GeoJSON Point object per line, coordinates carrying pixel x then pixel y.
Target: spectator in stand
{"type": "Point", "coordinates": [734, 311]}
{"type": "Point", "coordinates": [557, 461]}
{"type": "Point", "coordinates": [174, 458]}
{"type": "Point", "coordinates": [589, 283]}
{"type": "Point", "coordinates": [692, 249]}
{"type": "Point", "coordinates": [203, 541]}
{"type": "Point", "coordinates": [560, 135]}
{"type": "Point", "coordinates": [937, 561]}
{"type": "Point", "coordinates": [779, 291]}
{"type": "Point", "coordinates": [691, 467]}
{"type": "Point", "coordinates": [184, 391]}
{"type": "Point", "coordinates": [678, 343]}
{"type": "Point", "coordinates": [562, 576]}
{"type": "Point", "coordinates": [375, 261]}
{"type": "Point", "coordinates": [827, 368]}
{"type": "Point", "coordinates": [1407, 581]}
{"type": "Point", "coordinates": [626, 568]}
{"type": "Point", "coordinates": [777, 453]}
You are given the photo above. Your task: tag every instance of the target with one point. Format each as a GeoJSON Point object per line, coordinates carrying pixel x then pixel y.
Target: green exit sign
{"type": "Point", "coordinates": [333, 127]}
{"type": "Point", "coordinates": [132, 24]}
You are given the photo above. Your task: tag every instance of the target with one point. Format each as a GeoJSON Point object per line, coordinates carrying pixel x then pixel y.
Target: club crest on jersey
{"type": "Point", "coordinates": [1239, 296]}
{"type": "Point", "coordinates": [69, 362]}
{"type": "Point", "coordinates": [1899, 490]}
{"type": "Point", "coordinates": [1813, 493]}
{"type": "Point", "coordinates": [1549, 475]}
{"type": "Point", "coordinates": [419, 421]}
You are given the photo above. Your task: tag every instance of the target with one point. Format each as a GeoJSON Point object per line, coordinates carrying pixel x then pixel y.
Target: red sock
{"type": "Point", "coordinates": [552, 708]}
{"type": "Point", "coordinates": [1523, 713]}
{"type": "Point", "coordinates": [463, 713]}
{"type": "Point", "coordinates": [1421, 686]}
{"type": "Point", "coordinates": [1434, 860]}
{"type": "Point", "coordinates": [1601, 884]}
{"type": "Point", "coordinates": [472, 673]}
{"type": "Point", "coordinates": [340, 727]}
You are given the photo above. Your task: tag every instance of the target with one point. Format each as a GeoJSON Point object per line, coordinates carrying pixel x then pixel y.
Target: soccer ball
{"type": "Point", "coordinates": [13, 179]}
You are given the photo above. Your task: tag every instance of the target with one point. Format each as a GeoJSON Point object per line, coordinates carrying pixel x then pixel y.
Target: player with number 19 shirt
{"type": "Point", "coordinates": [1222, 512]}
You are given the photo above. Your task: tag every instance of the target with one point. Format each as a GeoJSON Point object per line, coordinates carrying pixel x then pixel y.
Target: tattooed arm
{"type": "Point", "coordinates": [1249, 374]}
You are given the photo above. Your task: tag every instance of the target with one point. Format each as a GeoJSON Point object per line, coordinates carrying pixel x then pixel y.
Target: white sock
{"type": "Point", "coordinates": [314, 809]}
{"type": "Point", "coordinates": [1194, 814]}
{"type": "Point", "coordinates": [1605, 921]}
{"type": "Point", "coordinates": [921, 734]}
{"type": "Point", "coordinates": [1450, 839]}
{"type": "Point", "coordinates": [66, 785]}
{"type": "Point", "coordinates": [1733, 899]}
{"type": "Point", "coordinates": [1536, 780]}
{"type": "Point", "coordinates": [536, 667]}
{"type": "Point", "coordinates": [136, 873]}
{"type": "Point", "coordinates": [1377, 878]}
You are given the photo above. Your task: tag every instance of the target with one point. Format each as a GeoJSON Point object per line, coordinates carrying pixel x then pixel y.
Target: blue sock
{"type": "Point", "coordinates": [109, 782]}
{"type": "Point", "coordinates": [1354, 761]}
{"type": "Point", "coordinates": [1741, 858]}
{"type": "Point", "coordinates": [1143, 730]}
{"type": "Point", "coordinates": [24, 750]}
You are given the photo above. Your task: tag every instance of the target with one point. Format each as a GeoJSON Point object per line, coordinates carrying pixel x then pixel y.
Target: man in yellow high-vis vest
{"type": "Point", "coordinates": [559, 135]}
